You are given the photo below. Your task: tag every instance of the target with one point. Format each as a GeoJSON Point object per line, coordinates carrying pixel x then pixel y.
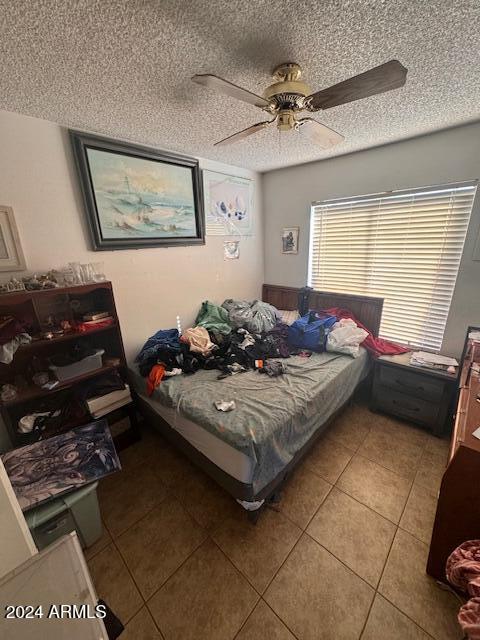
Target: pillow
{"type": "Point", "coordinates": [288, 317]}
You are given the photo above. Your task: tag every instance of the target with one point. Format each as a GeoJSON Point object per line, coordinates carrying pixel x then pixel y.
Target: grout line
{"type": "Point", "coordinates": [279, 509]}
{"type": "Point", "coordinates": [341, 561]}
{"type": "Point", "coordinates": [395, 524]}
{"type": "Point", "coordinates": [154, 621]}
{"type": "Point", "coordinates": [144, 600]}
{"type": "Point", "coordinates": [273, 612]}
{"type": "Point", "coordinates": [406, 616]}
{"type": "Point", "coordinates": [238, 570]}
{"type": "Point", "coordinates": [136, 586]}
{"type": "Point", "coordinates": [282, 621]}
{"type": "Point", "coordinates": [286, 558]}
{"type": "Point", "coordinates": [380, 578]}
{"type": "Point", "coordinates": [130, 526]}
{"type": "Point", "coordinates": [385, 565]}
{"type": "Point", "coordinates": [413, 535]}
{"type": "Point", "coordinates": [190, 554]}
{"type": "Point", "coordinates": [400, 475]}
{"type": "Point", "coordinates": [242, 575]}
{"type": "Point", "coordinates": [367, 617]}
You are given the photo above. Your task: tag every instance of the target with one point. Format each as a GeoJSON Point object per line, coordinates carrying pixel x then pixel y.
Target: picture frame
{"type": "Point", "coordinates": [231, 249]}
{"type": "Point", "coordinates": [229, 204]}
{"type": "Point", "coordinates": [11, 253]}
{"type": "Point", "coordinates": [137, 197]}
{"type": "Point", "coordinates": [290, 240]}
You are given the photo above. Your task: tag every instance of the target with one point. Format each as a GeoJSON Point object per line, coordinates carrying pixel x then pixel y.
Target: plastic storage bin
{"type": "Point", "coordinates": [76, 511]}
{"type": "Point", "coordinates": [90, 363]}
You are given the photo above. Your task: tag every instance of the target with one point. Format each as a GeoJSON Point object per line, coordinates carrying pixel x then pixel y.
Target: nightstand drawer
{"type": "Point", "coordinates": [413, 384]}
{"type": "Point", "coordinates": [406, 406]}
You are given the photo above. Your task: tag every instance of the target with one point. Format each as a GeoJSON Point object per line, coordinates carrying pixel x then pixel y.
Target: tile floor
{"type": "Point", "coordinates": [342, 558]}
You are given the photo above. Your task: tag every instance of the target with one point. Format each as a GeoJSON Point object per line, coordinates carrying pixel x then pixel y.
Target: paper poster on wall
{"type": "Point", "coordinates": [231, 250]}
{"type": "Point", "coordinates": [228, 204]}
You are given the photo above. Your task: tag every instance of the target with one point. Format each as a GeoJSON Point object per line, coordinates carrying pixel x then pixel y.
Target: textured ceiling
{"type": "Point", "coordinates": [123, 68]}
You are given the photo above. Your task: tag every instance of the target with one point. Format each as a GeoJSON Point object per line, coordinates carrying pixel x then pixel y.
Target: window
{"type": "Point", "coordinates": [404, 246]}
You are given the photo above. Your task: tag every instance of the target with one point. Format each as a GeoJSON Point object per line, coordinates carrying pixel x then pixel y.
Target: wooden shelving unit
{"type": "Point", "coordinates": [36, 310]}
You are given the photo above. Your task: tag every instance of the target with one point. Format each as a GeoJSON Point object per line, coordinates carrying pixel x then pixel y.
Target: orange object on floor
{"type": "Point", "coordinates": [157, 372]}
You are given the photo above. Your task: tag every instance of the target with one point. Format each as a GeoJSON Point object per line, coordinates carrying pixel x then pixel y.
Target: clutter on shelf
{"type": "Point", "coordinates": [71, 275]}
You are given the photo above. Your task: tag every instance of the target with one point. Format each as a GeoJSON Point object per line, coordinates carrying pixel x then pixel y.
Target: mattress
{"type": "Point", "coordinates": [273, 418]}
{"type": "Point", "coordinates": [234, 462]}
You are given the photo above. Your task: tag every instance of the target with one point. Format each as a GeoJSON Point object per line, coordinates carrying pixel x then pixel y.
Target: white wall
{"type": "Point", "coordinates": [152, 286]}
{"type": "Point", "coordinates": [448, 156]}
{"type": "Point", "coordinates": [16, 544]}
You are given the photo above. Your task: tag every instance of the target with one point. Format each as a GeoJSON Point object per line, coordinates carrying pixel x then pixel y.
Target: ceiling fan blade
{"type": "Point", "coordinates": [385, 77]}
{"type": "Point", "coordinates": [319, 133]}
{"type": "Point", "coordinates": [244, 133]}
{"type": "Point", "coordinates": [214, 82]}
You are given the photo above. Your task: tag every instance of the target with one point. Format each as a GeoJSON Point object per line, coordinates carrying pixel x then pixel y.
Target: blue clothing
{"type": "Point", "coordinates": [165, 339]}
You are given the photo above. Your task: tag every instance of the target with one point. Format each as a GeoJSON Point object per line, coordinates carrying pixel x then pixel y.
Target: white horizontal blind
{"type": "Point", "coordinates": [403, 246]}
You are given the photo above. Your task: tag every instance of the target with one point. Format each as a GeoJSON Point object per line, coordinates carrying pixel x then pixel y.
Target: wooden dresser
{"type": "Point", "coordinates": [458, 510]}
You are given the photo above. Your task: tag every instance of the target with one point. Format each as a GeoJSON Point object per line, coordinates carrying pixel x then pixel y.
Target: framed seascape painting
{"type": "Point", "coordinates": [228, 204]}
{"type": "Point", "coordinates": [138, 197]}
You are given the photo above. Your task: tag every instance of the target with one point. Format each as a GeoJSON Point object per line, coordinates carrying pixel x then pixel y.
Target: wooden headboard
{"type": "Point", "coordinates": [367, 309]}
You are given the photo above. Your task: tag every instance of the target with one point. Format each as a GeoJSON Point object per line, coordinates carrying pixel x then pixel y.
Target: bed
{"type": "Point", "coordinates": [250, 450]}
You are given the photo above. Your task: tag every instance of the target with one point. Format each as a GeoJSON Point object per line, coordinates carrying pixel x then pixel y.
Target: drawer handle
{"type": "Point", "coordinates": [53, 527]}
{"type": "Point", "coordinates": [404, 406]}
{"type": "Point", "coordinates": [408, 386]}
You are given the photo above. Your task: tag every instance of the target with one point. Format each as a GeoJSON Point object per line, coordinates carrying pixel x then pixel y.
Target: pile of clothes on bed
{"type": "Point", "coordinates": [232, 338]}
{"type": "Point", "coordinates": [240, 335]}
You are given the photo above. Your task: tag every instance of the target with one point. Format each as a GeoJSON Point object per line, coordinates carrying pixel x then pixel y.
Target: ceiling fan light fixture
{"type": "Point", "coordinates": [286, 120]}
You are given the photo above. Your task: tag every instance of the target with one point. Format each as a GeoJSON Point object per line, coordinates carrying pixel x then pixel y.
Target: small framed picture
{"type": "Point", "coordinates": [231, 250]}
{"type": "Point", "coordinates": [11, 254]}
{"type": "Point", "coordinates": [290, 240]}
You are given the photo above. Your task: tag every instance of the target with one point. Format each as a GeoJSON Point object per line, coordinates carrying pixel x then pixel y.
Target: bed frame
{"type": "Point", "coordinates": [365, 308]}
{"type": "Point", "coordinates": [368, 311]}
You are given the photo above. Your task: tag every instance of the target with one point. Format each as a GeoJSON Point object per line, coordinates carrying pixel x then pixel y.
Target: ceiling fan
{"type": "Point", "coordinates": [288, 96]}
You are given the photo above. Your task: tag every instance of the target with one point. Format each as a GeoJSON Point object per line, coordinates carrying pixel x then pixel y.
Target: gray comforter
{"type": "Point", "coordinates": [274, 417]}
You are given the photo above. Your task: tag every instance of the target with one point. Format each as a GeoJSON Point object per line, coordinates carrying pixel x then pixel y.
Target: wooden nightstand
{"type": "Point", "coordinates": [423, 396]}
